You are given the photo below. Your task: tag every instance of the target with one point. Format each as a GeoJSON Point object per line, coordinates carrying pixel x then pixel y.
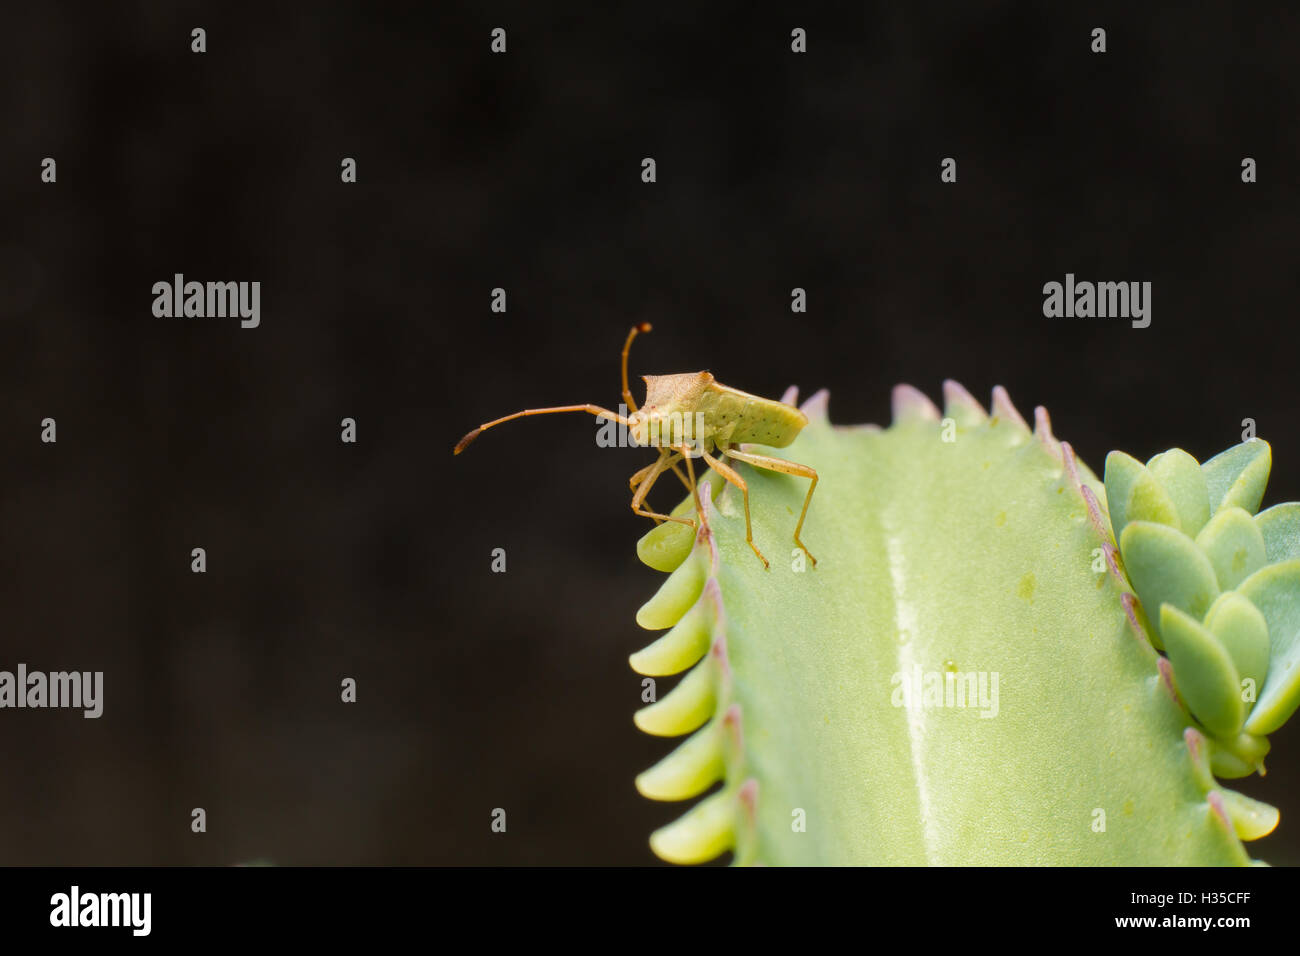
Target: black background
{"type": "Point", "coordinates": [328, 560]}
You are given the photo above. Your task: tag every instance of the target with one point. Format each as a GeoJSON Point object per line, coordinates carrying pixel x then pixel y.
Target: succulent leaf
{"type": "Point", "coordinates": [1243, 632]}
{"type": "Point", "coordinates": [1250, 818]}
{"type": "Point", "coordinates": [1238, 476]}
{"type": "Point", "coordinates": [1122, 473]}
{"type": "Point", "coordinates": [1275, 590]}
{"type": "Point", "coordinates": [689, 770]}
{"type": "Point", "coordinates": [944, 560]}
{"type": "Point", "coordinates": [1279, 526]}
{"type": "Point", "coordinates": [1166, 567]}
{"type": "Point", "coordinates": [961, 406]}
{"type": "Point", "coordinates": [688, 705]}
{"type": "Point", "coordinates": [1181, 476]}
{"type": "Point", "coordinates": [674, 596]}
{"type": "Point", "coordinates": [1233, 544]}
{"type": "Point", "coordinates": [1203, 671]}
{"type": "Point", "coordinates": [704, 833]}
{"type": "Point", "coordinates": [1149, 501]}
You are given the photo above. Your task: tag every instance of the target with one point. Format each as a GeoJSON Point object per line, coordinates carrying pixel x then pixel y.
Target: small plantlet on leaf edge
{"type": "Point", "coordinates": [725, 418]}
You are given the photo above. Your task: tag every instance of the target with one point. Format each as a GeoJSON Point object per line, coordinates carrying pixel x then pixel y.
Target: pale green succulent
{"type": "Point", "coordinates": [972, 672]}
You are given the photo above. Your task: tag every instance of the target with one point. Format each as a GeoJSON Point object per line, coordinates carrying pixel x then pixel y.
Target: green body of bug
{"type": "Point", "coordinates": [688, 416]}
{"type": "Point", "coordinates": [718, 414]}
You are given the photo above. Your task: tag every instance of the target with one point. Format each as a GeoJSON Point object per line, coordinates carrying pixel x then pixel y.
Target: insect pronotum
{"type": "Point", "coordinates": [687, 416]}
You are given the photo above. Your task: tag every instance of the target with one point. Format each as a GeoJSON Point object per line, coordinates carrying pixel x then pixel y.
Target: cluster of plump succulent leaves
{"type": "Point", "coordinates": [1221, 588]}
{"type": "Point", "coordinates": [960, 546]}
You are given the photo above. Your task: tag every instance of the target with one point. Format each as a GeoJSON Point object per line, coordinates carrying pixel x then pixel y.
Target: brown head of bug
{"type": "Point", "coordinates": [687, 416]}
{"type": "Point", "coordinates": [671, 414]}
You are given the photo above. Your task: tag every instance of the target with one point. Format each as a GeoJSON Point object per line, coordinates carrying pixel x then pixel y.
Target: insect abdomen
{"type": "Point", "coordinates": [737, 416]}
{"type": "Point", "coordinates": [774, 425]}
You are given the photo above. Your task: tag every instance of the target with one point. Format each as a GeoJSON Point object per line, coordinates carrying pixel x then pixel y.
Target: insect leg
{"type": "Point", "coordinates": [729, 473]}
{"type": "Point", "coordinates": [652, 472]}
{"type": "Point", "coordinates": [655, 470]}
{"type": "Point", "coordinates": [641, 475]}
{"type": "Point", "coordinates": [690, 470]}
{"type": "Point", "coordinates": [785, 468]}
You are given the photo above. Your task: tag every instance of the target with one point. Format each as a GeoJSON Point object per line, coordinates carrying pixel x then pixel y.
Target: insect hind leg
{"type": "Point", "coordinates": [731, 475]}
{"type": "Point", "coordinates": [785, 468]}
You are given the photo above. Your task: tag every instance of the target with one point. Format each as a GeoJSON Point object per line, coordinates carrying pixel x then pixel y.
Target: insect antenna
{"type": "Point", "coordinates": [589, 409]}
{"type": "Point", "coordinates": [628, 400]}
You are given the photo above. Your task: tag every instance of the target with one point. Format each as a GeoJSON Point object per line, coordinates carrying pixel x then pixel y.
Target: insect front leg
{"type": "Point", "coordinates": [690, 470]}
{"type": "Point", "coordinates": [646, 479]}
{"type": "Point", "coordinates": [684, 451]}
{"type": "Point", "coordinates": [785, 468]}
{"type": "Point", "coordinates": [641, 475]}
{"type": "Point", "coordinates": [729, 473]}
{"type": "Point", "coordinates": [655, 468]}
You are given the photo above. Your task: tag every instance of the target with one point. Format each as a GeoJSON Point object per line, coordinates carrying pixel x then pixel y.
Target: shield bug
{"type": "Point", "coordinates": [690, 415]}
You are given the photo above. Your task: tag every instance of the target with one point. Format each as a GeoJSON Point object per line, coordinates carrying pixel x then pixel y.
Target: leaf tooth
{"type": "Point", "coordinates": [961, 405]}
{"type": "Point", "coordinates": [684, 708]}
{"type": "Point", "coordinates": [705, 538]}
{"type": "Point", "coordinates": [718, 651]}
{"type": "Point", "coordinates": [706, 831]}
{"type": "Point", "coordinates": [731, 724]}
{"type": "Point", "coordinates": [817, 407]}
{"type": "Point", "coordinates": [748, 797]}
{"type": "Point", "coordinates": [746, 836]}
{"type": "Point", "coordinates": [1251, 819]}
{"type": "Point", "coordinates": [1198, 747]}
{"type": "Point", "coordinates": [1098, 520]}
{"type": "Point", "coordinates": [1112, 563]}
{"type": "Point", "coordinates": [791, 396]}
{"type": "Point", "coordinates": [1043, 431]}
{"type": "Point", "coordinates": [1071, 466]}
{"type": "Point", "coordinates": [689, 770]}
{"type": "Point", "coordinates": [1133, 611]}
{"type": "Point", "coordinates": [685, 644]}
{"type": "Point", "coordinates": [1006, 410]}
{"type": "Point", "coordinates": [911, 405]}
{"type": "Point", "coordinates": [1216, 802]}
{"type": "Point", "coordinates": [1166, 671]}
